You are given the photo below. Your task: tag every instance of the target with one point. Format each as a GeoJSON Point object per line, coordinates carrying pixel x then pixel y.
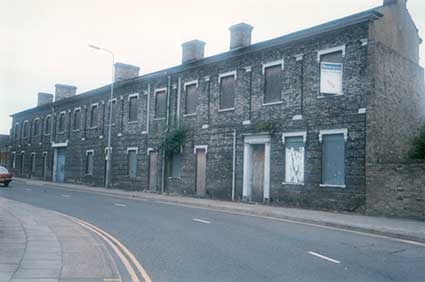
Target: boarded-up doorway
{"type": "Point", "coordinates": [201, 163]}
{"type": "Point", "coordinates": [59, 165]}
{"type": "Point", "coordinates": [152, 176]}
{"type": "Point", "coordinates": [257, 192]}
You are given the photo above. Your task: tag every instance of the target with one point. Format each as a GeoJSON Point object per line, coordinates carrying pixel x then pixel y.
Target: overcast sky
{"type": "Point", "coordinates": [44, 42]}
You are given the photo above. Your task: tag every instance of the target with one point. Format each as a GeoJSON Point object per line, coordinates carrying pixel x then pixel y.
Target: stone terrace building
{"type": "Point", "coordinates": [296, 120]}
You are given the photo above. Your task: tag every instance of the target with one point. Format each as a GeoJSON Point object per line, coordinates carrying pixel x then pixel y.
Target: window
{"type": "Point", "coordinates": [93, 115]}
{"type": "Point", "coordinates": [191, 100]}
{"type": "Point", "coordinates": [175, 165]}
{"type": "Point", "coordinates": [89, 162]}
{"type": "Point", "coordinates": [76, 122]}
{"type": "Point", "coordinates": [132, 108]}
{"type": "Point", "coordinates": [227, 92]}
{"type": "Point", "coordinates": [16, 132]}
{"type": "Point", "coordinates": [25, 129]}
{"type": "Point", "coordinates": [114, 109]}
{"type": "Point", "coordinates": [273, 83]}
{"type": "Point", "coordinates": [132, 162]}
{"type": "Point", "coordinates": [294, 157]}
{"type": "Point", "coordinates": [331, 68]}
{"type": "Point", "coordinates": [36, 126]}
{"type": "Point", "coordinates": [333, 157]}
{"type": "Point", "coordinates": [14, 160]}
{"type": "Point", "coordinates": [47, 124]}
{"type": "Point", "coordinates": [61, 122]}
{"type": "Point", "coordinates": [32, 162]}
{"type": "Point", "coordinates": [160, 104]}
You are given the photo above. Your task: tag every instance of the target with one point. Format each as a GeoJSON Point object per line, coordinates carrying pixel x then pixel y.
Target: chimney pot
{"type": "Point", "coordinates": [240, 35]}
{"type": "Point", "coordinates": [125, 71]}
{"type": "Point", "coordinates": [63, 91]}
{"type": "Point", "coordinates": [192, 51]}
{"type": "Point", "coordinates": [44, 98]}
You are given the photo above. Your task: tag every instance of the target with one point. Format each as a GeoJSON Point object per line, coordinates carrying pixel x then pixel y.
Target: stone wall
{"type": "Point", "coordinates": [397, 189]}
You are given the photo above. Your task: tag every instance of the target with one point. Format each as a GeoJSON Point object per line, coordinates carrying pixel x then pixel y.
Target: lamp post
{"type": "Point", "coordinates": [109, 149]}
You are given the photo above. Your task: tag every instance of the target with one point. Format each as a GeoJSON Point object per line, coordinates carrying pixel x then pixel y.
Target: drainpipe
{"type": "Point", "coordinates": [234, 165]}
{"type": "Point", "coordinates": [178, 100]}
{"type": "Point", "coordinates": [166, 130]}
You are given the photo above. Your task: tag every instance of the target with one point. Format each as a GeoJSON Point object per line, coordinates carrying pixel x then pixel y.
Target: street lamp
{"type": "Point", "coordinates": [109, 149]}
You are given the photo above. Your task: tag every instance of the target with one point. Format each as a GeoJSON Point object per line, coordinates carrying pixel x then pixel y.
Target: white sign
{"type": "Point", "coordinates": [331, 78]}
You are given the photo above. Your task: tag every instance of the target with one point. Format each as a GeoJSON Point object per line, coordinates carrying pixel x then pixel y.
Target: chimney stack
{"type": "Point", "coordinates": [125, 71]}
{"type": "Point", "coordinates": [389, 2]}
{"type": "Point", "coordinates": [240, 35]}
{"type": "Point", "coordinates": [63, 91]}
{"type": "Point", "coordinates": [44, 98]}
{"type": "Point", "coordinates": [192, 51]}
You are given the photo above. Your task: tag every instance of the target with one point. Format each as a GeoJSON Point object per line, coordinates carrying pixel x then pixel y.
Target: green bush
{"type": "Point", "coordinates": [173, 140]}
{"type": "Point", "coordinates": [418, 147]}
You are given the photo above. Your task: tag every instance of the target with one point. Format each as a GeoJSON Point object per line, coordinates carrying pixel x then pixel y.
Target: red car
{"type": "Point", "coordinates": [5, 176]}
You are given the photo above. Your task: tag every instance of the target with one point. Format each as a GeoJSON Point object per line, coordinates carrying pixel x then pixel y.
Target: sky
{"type": "Point", "coordinates": [44, 42]}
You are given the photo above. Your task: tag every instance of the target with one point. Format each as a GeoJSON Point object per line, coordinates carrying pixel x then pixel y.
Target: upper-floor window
{"type": "Point", "coordinates": [331, 70]}
{"type": "Point", "coordinates": [132, 107]}
{"type": "Point", "coordinates": [61, 122]}
{"type": "Point", "coordinates": [227, 90]}
{"type": "Point", "coordinates": [76, 122]}
{"type": "Point", "coordinates": [113, 106]}
{"type": "Point", "coordinates": [47, 124]}
{"type": "Point", "coordinates": [93, 115]}
{"type": "Point", "coordinates": [16, 131]}
{"type": "Point", "coordinates": [36, 127]}
{"type": "Point", "coordinates": [191, 99]}
{"type": "Point", "coordinates": [273, 85]}
{"type": "Point", "coordinates": [160, 103]}
{"type": "Point", "coordinates": [25, 129]}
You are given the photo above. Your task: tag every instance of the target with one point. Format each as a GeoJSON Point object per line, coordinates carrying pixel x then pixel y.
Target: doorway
{"type": "Point", "coordinates": [152, 168]}
{"type": "Point", "coordinates": [59, 165]}
{"type": "Point", "coordinates": [201, 165]}
{"type": "Point", "coordinates": [256, 170]}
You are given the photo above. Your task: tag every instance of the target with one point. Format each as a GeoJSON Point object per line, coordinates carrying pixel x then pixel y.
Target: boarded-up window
{"type": "Point", "coordinates": [227, 92]}
{"type": "Point", "coordinates": [294, 160]}
{"type": "Point", "coordinates": [160, 104]}
{"type": "Point", "coordinates": [191, 99]}
{"type": "Point", "coordinates": [47, 124]}
{"type": "Point", "coordinates": [273, 84]}
{"type": "Point", "coordinates": [333, 168]}
{"type": "Point", "coordinates": [132, 108]}
{"type": "Point", "coordinates": [175, 165]}
{"type": "Point", "coordinates": [115, 111]}
{"type": "Point", "coordinates": [89, 162]}
{"type": "Point", "coordinates": [32, 163]}
{"type": "Point", "coordinates": [93, 116]}
{"type": "Point", "coordinates": [36, 127]}
{"type": "Point", "coordinates": [77, 119]}
{"type": "Point", "coordinates": [16, 132]}
{"type": "Point", "coordinates": [331, 68]}
{"type": "Point", "coordinates": [132, 163]}
{"type": "Point", "coordinates": [25, 129]}
{"type": "Point", "coordinates": [61, 122]}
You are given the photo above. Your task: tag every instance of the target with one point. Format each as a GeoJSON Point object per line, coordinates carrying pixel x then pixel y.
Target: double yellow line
{"type": "Point", "coordinates": [122, 252]}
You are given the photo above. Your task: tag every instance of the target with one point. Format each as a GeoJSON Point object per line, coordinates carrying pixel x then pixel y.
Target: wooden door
{"type": "Point", "coordinates": [257, 192]}
{"type": "Point", "coordinates": [152, 176]}
{"type": "Point", "coordinates": [201, 163]}
{"type": "Point", "coordinates": [60, 165]}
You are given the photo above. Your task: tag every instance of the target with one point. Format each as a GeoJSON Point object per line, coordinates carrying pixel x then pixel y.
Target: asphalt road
{"type": "Point", "coordinates": [176, 243]}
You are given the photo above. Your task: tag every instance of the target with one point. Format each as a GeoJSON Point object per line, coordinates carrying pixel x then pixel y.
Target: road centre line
{"type": "Point", "coordinates": [119, 205]}
{"type": "Point", "coordinates": [66, 196]}
{"type": "Point", "coordinates": [202, 221]}
{"type": "Point", "coordinates": [324, 257]}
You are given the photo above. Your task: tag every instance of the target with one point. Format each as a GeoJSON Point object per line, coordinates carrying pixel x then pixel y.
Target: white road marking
{"type": "Point", "coordinates": [324, 257]}
{"type": "Point", "coordinates": [119, 205]}
{"type": "Point", "coordinates": [65, 196]}
{"type": "Point", "coordinates": [28, 189]}
{"type": "Point", "coordinates": [202, 221]}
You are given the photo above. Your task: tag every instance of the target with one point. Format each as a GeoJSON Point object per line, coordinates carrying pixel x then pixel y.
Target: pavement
{"type": "Point", "coordinates": [392, 227]}
{"type": "Point", "coordinates": [38, 245]}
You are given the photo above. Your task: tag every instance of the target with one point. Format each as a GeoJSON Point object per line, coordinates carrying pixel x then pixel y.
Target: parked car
{"type": "Point", "coordinates": [5, 176]}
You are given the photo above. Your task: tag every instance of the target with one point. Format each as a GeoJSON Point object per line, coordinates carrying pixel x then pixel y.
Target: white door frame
{"type": "Point", "coordinates": [247, 164]}
{"type": "Point", "coordinates": [55, 147]}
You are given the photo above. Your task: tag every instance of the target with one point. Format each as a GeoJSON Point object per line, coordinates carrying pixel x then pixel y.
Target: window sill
{"type": "Point", "coordinates": [133, 122]}
{"type": "Point", "coordinates": [75, 130]}
{"type": "Point", "coordinates": [226, 110]}
{"type": "Point", "coordinates": [326, 95]}
{"type": "Point", "coordinates": [273, 103]}
{"type": "Point", "coordinates": [297, 184]}
{"type": "Point", "coordinates": [92, 127]}
{"type": "Point", "coordinates": [60, 132]}
{"type": "Point", "coordinates": [332, 186]}
{"type": "Point", "coordinates": [189, 115]}
{"type": "Point", "coordinates": [174, 177]}
{"type": "Point", "coordinates": [159, 118]}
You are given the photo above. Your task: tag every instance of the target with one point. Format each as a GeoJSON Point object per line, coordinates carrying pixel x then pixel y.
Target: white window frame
{"type": "Point", "coordinates": [285, 135]}
{"type": "Point", "coordinates": [343, 131]}
{"type": "Point", "coordinates": [163, 89]}
{"type": "Point", "coordinates": [44, 124]}
{"type": "Point", "coordinates": [189, 83]}
{"type": "Point", "coordinates": [23, 129]}
{"type": "Point", "coordinates": [200, 147]}
{"type": "Point", "coordinates": [128, 99]}
{"type": "Point", "coordinates": [85, 167]}
{"type": "Point", "coordinates": [90, 115]}
{"type": "Point", "coordinates": [322, 52]}
{"type": "Point", "coordinates": [274, 63]}
{"type": "Point", "coordinates": [64, 114]}
{"type": "Point", "coordinates": [73, 118]}
{"type": "Point", "coordinates": [133, 149]}
{"type": "Point", "coordinates": [233, 73]}
{"type": "Point", "coordinates": [33, 123]}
